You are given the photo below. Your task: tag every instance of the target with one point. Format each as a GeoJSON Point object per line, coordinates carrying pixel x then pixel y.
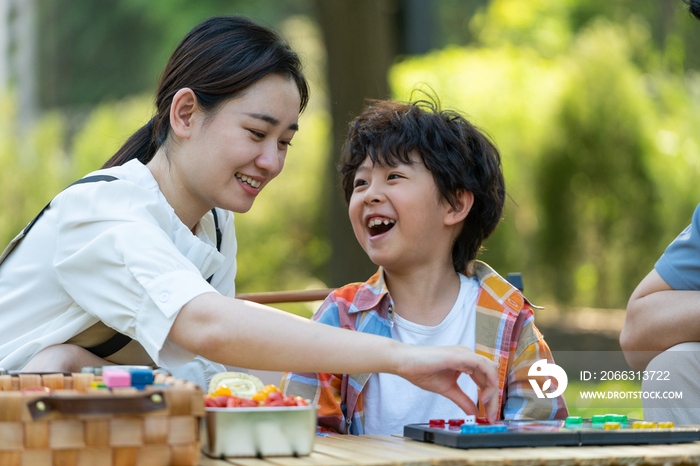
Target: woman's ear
{"type": "Point", "coordinates": [459, 211]}
{"type": "Point", "coordinates": [182, 110]}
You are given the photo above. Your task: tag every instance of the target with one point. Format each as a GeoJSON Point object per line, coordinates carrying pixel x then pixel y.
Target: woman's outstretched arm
{"type": "Point", "coordinates": [245, 334]}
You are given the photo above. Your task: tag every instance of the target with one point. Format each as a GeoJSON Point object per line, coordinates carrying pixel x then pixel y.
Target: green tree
{"type": "Point", "coordinates": [597, 198]}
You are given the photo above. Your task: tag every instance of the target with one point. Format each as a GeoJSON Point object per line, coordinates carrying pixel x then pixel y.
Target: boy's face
{"type": "Point", "coordinates": [399, 216]}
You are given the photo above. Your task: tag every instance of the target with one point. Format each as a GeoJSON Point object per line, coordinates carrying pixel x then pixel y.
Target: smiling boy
{"type": "Point", "coordinates": [425, 189]}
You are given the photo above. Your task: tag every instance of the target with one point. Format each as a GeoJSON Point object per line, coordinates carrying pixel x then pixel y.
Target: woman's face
{"type": "Point", "coordinates": [231, 156]}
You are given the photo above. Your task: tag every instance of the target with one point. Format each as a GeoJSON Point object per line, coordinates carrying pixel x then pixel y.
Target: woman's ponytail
{"type": "Point", "coordinates": [141, 145]}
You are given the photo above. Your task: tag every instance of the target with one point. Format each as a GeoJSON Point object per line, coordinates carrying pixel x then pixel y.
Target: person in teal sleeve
{"type": "Point", "coordinates": [661, 333]}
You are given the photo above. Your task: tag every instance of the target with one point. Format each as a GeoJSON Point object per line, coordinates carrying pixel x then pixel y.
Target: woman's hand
{"type": "Point", "coordinates": [436, 368]}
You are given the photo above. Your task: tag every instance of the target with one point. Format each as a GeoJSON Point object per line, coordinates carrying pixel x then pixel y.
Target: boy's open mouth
{"type": "Point", "coordinates": [379, 225]}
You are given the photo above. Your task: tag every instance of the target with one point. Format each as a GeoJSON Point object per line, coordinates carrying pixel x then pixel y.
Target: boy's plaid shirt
{"type": "Point", "coordinates": [505, 333]}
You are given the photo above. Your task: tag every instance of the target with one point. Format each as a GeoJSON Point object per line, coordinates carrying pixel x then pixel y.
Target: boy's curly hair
{"type": "Point", "coordinates": [693, 7]}
{"type": "Point", "coordinates": [460, 157]}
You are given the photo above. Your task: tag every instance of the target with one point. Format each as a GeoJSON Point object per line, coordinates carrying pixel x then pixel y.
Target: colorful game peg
{"type": "Point", "coordinates": [468, 428]}
{"type": "Point", "coordinates": [483, 429]}
{"type": "Point", "coordinates": [665, 425]}
{"type": "Point", "coordinates": [437, 423]}
{"type": "Point", "coordinates": [141, 377]}
{"type": "Point", "coordinates": [611, 425]}
{"type": "Point", "coordinates": [97, 370]}
{"type": "Point", "coordinates": [114, 378]}
{"type": "Point", "coordinates": [615, 418]}
{"type": "Point", "coordinates": [497, 428]}
{"type": "Point", "coordinates": [455, 422]}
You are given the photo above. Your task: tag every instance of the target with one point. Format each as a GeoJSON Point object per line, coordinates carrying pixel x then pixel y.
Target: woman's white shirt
{"type": "Point", "coordinates": [113, 252]}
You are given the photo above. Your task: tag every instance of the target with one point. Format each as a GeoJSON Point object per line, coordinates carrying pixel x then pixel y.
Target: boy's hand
{"type": "Point", "coordinates": [436, 368]}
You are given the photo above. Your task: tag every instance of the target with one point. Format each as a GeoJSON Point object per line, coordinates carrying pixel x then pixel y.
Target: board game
{"type": "Point", "coordinates": [574, 431]}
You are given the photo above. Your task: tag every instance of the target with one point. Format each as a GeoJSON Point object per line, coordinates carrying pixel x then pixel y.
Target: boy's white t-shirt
{"type": "Point", "coordinates": [390, 402]}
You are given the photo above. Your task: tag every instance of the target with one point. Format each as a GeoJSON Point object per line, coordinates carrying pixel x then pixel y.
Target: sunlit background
{"type": "Point", "coordinates": [594, 104]}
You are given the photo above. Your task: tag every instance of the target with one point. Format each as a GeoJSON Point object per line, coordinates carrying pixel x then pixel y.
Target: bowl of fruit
{"type": "Point", "coordinates": [245, 418]}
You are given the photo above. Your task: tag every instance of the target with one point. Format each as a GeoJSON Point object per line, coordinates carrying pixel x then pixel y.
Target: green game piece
{"type": "Point", "coordinates": [574, 421]}
{"type": "Point", "coordinates": [598, 419]}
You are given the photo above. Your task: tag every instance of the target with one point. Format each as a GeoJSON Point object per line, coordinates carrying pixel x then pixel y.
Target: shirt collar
{"type": "Point", "coordinates": [199, 248]}
{"type": "Point", "coordinates": [373, 295]}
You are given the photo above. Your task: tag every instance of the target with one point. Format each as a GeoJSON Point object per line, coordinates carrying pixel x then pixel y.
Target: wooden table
{"type": "Point", "coordinates": [380, 450]}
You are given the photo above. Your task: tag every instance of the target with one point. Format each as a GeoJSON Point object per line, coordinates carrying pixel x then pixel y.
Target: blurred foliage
{"type": "Point", "coordinates": [599, 147]}
{"type": "Point", "coordinates": [593, 104]}
{"type": "Point", "coordinates": [36, 165]}
{"type": "Point", "coordinates": [137, 36]}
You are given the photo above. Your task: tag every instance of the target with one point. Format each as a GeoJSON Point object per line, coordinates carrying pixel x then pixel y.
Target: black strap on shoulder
{"type": "Point", "coordinates": [87, 179]}
{"type": "Point", "coordinates": [218, 236]}
{"type": "Point", "coordinates": [218, 230]}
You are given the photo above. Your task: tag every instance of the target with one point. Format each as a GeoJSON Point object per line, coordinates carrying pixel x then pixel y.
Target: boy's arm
{"type": "Point", "coordinates": [521, 401]}
{"type": "Point", "coordinates": [323, 389]}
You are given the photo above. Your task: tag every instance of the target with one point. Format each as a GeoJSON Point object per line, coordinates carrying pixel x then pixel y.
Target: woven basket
{"type": "Point", "coordinates": [77, 425]}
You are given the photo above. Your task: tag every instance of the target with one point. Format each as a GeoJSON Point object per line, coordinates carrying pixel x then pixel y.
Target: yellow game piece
{"type": "Point", "coordinates": [611, 425]}
{"type": "Point", "coordinates": [664, 425]}
{"type": "Point", "coordinates": [643, 425]}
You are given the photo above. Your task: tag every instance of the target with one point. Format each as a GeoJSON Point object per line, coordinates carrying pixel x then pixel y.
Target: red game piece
{"type": "Point", "coordinates": [437, 423]}
{"type": "Point", "coordinates": [482, 420]}
{"type": "Point", "coordinates": [455, 422]}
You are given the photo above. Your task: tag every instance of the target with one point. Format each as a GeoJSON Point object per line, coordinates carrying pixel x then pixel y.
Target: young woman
{"type": "Point", "coordinates": [138, 266]}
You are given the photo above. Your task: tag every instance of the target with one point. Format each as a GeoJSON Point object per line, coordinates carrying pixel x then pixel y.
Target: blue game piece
{"type": "Point", "coordinates": [483, 429]}
{"type": "Point", "coordinates": [468, 429]}
{"type": "Point", "coordinates": [141, 377]}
